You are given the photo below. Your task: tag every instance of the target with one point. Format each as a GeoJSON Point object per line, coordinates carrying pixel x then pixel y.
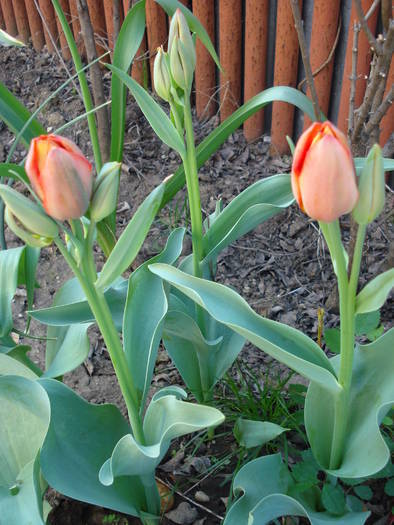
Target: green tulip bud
{"type": "Point", "coordinates": [29, 214]}
{"type": "Point", "coordinates": [162, 75]}
{"type": "Point", "coordinates": [182, 51]}
{"type": "Point", "coordinates": [371, 188]}
{"type": "Point", "coordinates": [105, 191]}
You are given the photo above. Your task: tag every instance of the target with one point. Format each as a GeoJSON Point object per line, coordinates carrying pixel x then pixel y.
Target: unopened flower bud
{"type": "Point", "coordinates": [162, 75]}
{"type": "Point", "coordinates": [182, 51]}
{"type": "Point", "coordinates": [371, 188]}
{"type": "Point", "coordinates": [34, 224]}
{"type": "Point", "coordinates": [105, 192]}
{"type": "Point", "coordinates": [60, 175]}
{"type": "Point", "coordinates": [322, 176]}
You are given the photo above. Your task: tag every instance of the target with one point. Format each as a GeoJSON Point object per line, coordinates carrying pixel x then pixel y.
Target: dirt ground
{"type": "Point", "coordinates": [282, 268]}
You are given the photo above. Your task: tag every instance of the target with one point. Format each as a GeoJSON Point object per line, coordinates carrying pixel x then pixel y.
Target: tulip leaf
{"type": "Point", "coordinates": [266, 491]}
{"type": "Point", "coordinates": [15, 115]}
{"type": "Point", "coordinates": [13, 367]}
{"type": "Point", "coordinates": [131, 240]}
{"type": "Point", "coordinates": [126, 46]}
{"type": "Point", "coordinates": [201, 362]}
{"type": "Point", "coordinates": [167, 417]}
{"type": "Point", "coordinates": [161, 124]}
{"type": "Point", "coordinates": [374, 294]}
{"type": "Point", "coordinates": [13, 171]}
{"type": "Point", "coordinates": [72, 307]}
{"type": "Point", "coordinates": [371, 397]}
{"type": "Point", "coordinates": [217, 137]}
{"type": "Point", "coordinates": [359, 162]}
{"type": "Point", "coordinates": [19, 353]}
{"type": "Point", "coordinates": [9, 268]}
{"type": "Point", "coordinates": [284, 343]}
{"type": "Point", "coordinates": [251, 433]}
{"type": "Point", "coordinates": [27, 272]}
{"type": "Point", "coordinates": [24, 421]}
{"type": "Point", "coordinates": [8, 40]}
{"type": "Point", "coordinates": [170, 6]}
{"type": "Point", "coordinates": [68, 351]}
{"type": "Point", "coordinates": [80, 438]}
{"type": "Point", "coordinates": [146, 306]}
{"type": "Point", "coordinates": [257, 203]}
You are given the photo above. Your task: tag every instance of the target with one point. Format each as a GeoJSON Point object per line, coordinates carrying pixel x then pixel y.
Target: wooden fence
{"type": "Point", "coordinates": [257, 46]}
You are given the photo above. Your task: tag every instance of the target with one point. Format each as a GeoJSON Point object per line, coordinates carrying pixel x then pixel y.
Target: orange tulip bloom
{"type": "Point", "coordinates": [323, 178]}
{"type": "Point", "coordinates": [60, 175]}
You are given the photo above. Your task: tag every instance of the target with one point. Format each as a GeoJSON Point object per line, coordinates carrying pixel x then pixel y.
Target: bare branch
{"type": "Point", "coordinates": [305, 56]}
{"type": "Point", "coordinates": [371, 39]}
{"type": "Point", "coordinates": [353, 78]}
{"type": "Point", "coordinates": [377, 115]}
{"type": "Point", "coordinates": [371, 10]}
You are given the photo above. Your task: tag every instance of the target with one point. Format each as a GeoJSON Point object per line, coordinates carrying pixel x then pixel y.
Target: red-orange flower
{"type": "Point", "coordinates": [60, 175]}
{"type": "Point", "coordinates": [322, 176]}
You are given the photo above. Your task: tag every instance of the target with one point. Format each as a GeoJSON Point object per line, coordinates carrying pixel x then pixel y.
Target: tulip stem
{"type": "Point", "coordinates": [103, 317]}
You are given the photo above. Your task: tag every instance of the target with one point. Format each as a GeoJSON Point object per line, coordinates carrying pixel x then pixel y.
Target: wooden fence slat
{"type": "Point", "coordinates": [96, 12]}
{"type": "Point", "coordinates": [109, 21]}
{"type": "Point", "coordinates": [62, 38]}
{"type": "Point", "coordinates": [256, 33]}
{"type": "Point", "coordinates": [205, 77]}
{"type": "Point", "coordinates": [285, 74]}
{"type": "Point", "coordinates": [156, 23]}
{"type": "Point", "coordinates": [9, 18]}
{"type": "Point", "coordinates": [50, 24]}
{"type": "Point", "coordinates": [36, 30]}
{"type": "Point", "coordinates": [324, 30]}
{"type": "Point", "coordinates": [363, 65]}
{"type": "Point", "coordinates": [386, 125]}
{"type": "Point", "coordinates": [22, 22]}
{"type": "Point", "coordinates": [76, 26]}
{"type": "Point", "coordinates": [126, 4]}
{"type": "Point", "coordinates": [2, 21]}
{"type": "Point", "coordinates": [230, 46]}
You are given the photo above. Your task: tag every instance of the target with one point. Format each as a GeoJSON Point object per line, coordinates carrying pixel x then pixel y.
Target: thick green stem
{"type": "Point", "coordinates": [108, 330]}
{"type": "Point", "coordinates": [347, 294]}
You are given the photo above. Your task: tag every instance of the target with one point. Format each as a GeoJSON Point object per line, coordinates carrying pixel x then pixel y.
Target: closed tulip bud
{"type": "Point", "coordinates": [162, 75]}
{"type": "Point", "coordinates": [182, 51]}
{"type": "Point", "coordinates": [322, 176]}
{"type": "Point", "coordinates": [60, 175]}
{"type": "Point", "coordinates": [26, 219]}
{"type": "Point", "coordinates": [371, 188]}
{"type": "Point", "coordinates": [105, 192]}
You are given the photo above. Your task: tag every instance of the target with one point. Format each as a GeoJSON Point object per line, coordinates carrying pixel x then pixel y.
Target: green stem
{"type": "Point", "coordinates": [87, 98]}
{"type": "Point", "coordinates": [347, 294]}
{"type": "Point", "coordinates": [108, 330]}
{"type": "Point", "coordinates": [88, 253]}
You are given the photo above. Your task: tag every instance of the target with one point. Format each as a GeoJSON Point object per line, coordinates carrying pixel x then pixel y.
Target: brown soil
{"type": "Point", "coordinates": [282, 268]}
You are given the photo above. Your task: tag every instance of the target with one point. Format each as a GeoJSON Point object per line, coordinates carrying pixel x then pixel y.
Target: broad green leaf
{"type": "Point", "coordinates": [374, 294]}
{"type": "Point", "coordinates": [364, 492]}
{"type": "Point", "coordinates": [388, 164]}
{"type": "Point", "coordinates": [365, 323]}
{"type": "Point", "coordinates": [167, 417]}
{"type": "Point", "coordinates": [68, 351]}
{"type": "Point", "coordinates": [332, 338]}
{"type": "Point", "coordinates": [9, 267]}
{"type": "Point", "coordinates": [15, 116]}
{"type": "Point", "coordinates": [215, 139]}
{"type": "Point", "coordinates": [257, 203]}
{"type": "Point", "coordinates": [286, 344]}
{"type": "Point", "coordinates": [251, 433]}
{"type": "Point", "coordinates": [80, 438]}
{"type": "Point", "coordinates": [131, 240]}
{"type": "Point", "coordinates": [13, 367]}
{"type": "Point", "coordinates": [19, 353]}
{"type": "Point", "coordinates": [371, 397]}
{"type": "Point", "coordinates": [127, 44]}
{"type": "Point", "coordinates": [73, 308]}
{"type": "Point", "coordinates": [170, 6]}
{"type": "Point", "coordinates": [26, 506]}
{"type": "Point", "coordinates": [8, 40]}
{"type": "Point", "coordinates": [13, 171]}
{"type": "Point", "coordinates": [146, 306]}
{"type": "Point", "coordinates": [263, 486]}
{"type": "Point", "coordinates": [161, 124]}
{"type": "Point", "coordinates": [24, 418]}
{"type": "Point", "coordinates": [333, 499]}
{"type": "Point", "coordinates": [200, 361]}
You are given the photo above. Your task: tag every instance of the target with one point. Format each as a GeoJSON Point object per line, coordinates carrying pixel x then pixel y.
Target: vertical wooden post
{"type": "Point", "coordinates": [205, 77]}
{"type": "Point", "coordinates": [76, 26]}
{"type": "Point", "coordinates": [22, 22]}
{"type": "Point", "coordinates": [156, 29]}
{"type": "Point", "coordinates": [63, 42]}
{"type": "Point", "coordinates": [126, 6]}
{"type": "Point", "coordinates": [285, 74]}
{"type": "Point", "coordinates": [96, 13]}
{"type": "Point", "coordinates": [256, 31]}
{"type": "Point", "coordinates": [140, 62]}
{"type": "Point", "coordinates": [386, 125]}
{"type": "Point", "coordinates": [109, 21]}
{"type": "Point", "coordinates": [363, 63]}
{"type": "Point", "coordinates": [324, 30]}
{"type": "Point", "coordinates": [2, 21]}
{"type": "Point", "coordinates": [48, 13]}
{"type": "Point", "coordinates": [230, 46]}
{"type": "Point", "coordinates": [9, 17]}
{"type": "Point", "coordinates": [36, 29]}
